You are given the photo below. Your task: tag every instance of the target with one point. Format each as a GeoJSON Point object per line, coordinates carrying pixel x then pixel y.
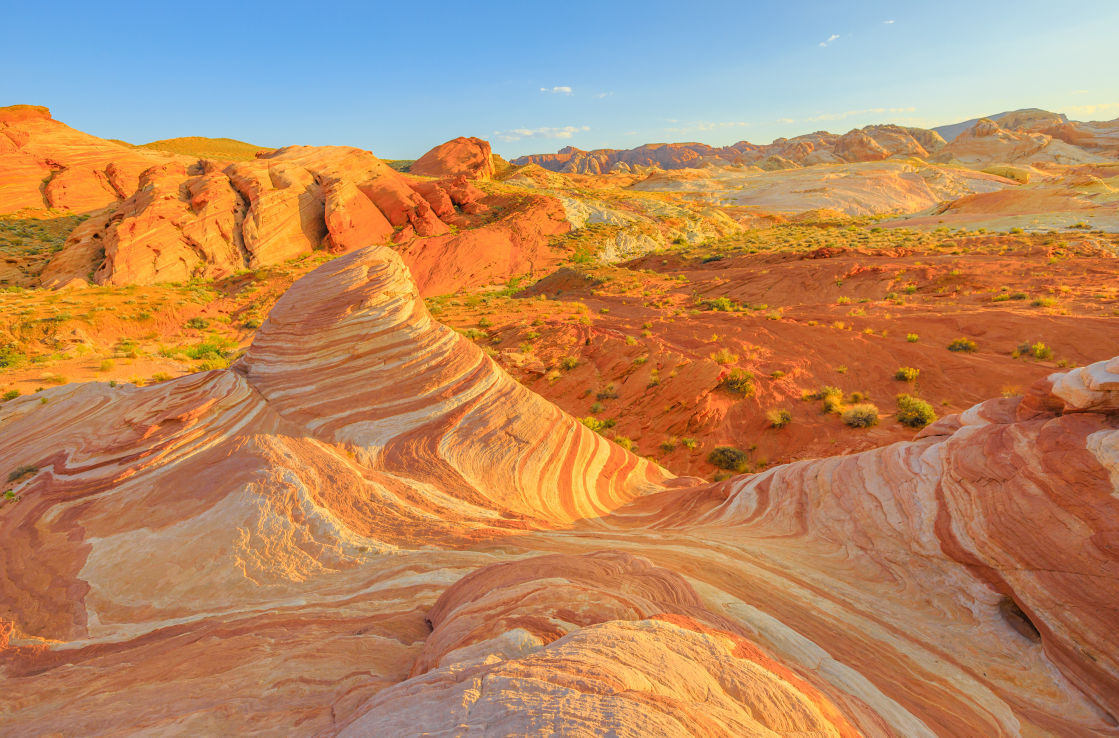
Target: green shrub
{"type": "Point", "coordinates": [721, 304]}
{"type": "Point", "coordinates": [914, 412]}
{"type": "Point", "coordinates": [1040, 351]}
{"type": "Point", "coordinates": [862, 415]}
{"type": "Point", "coordinates": [569, 362]}
{"type": "Point", "coordinates": [624, 442]}
{"type": "Point", "coordinates": [738, 381]}
{"type": "Point", "coordinates": [597, 425]}
{"type": "Point", "coordinates": [779, 417]}
{"type": "Point", "coordinates": [197, 323]}
{"type": "Point", "coordinates": [11, 394]}
{"type": "Point", "coordinates": [729, 457]}
{"type": "Point", "coordinates": [724, 356]}
{"type": "Point", "coordinates": [965, 345]}
{"type": "Point", "coordinates": [912, 337]}
{"type": "Point", "coordinates": [906, 374]}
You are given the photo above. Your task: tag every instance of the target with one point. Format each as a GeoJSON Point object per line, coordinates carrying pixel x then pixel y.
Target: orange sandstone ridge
{"type": "Point", "coordinates": [365, 527]}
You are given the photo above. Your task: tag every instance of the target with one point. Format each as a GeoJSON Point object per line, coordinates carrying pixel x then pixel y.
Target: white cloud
{"type": "Point", "coordinates": [516, 134]}
{"type": "Point", "coordinates": [560, 90]}
{"type": "Point", "coordinates": [831, 38]}
{"type": "Point", "coordinates": [888, 23]}
{"type": "Point", "coordinates": [603, 94]}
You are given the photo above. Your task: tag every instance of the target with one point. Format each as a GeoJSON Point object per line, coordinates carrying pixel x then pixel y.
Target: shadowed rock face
{"type": "Point", "coordinates": [365, 527]}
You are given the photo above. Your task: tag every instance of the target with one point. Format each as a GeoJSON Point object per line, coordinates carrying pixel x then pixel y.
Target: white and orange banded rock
{"type": "Point", "coordinates": [365, 527]}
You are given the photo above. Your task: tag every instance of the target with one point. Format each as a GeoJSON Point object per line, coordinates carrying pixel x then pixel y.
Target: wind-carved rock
{"type": "Point", "coordinates": [365, 527]}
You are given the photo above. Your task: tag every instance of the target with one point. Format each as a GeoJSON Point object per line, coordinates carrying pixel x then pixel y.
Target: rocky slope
{"type": "Point", "coordinates": [365, 527]}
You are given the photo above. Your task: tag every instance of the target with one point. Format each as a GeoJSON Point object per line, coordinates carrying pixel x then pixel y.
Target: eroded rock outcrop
{"type": "Point", "coordinates": [211, 219]}
{"type": "Point", "coordinates": [365, 527]}
{"type": "Point", "coordinates": [47, 164]}
{"type": "Point", "coordinates": [459, 157]}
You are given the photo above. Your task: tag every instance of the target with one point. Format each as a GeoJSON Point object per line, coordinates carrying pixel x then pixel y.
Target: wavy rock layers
{"type": "Point", "coordinates": [366, 528]}
{"type": "Point", "coordinates": [46, 164]}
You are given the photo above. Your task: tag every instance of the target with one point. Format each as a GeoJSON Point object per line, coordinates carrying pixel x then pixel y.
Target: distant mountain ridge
{"type": "Point", "coordinates": [1016, 136]}
{"type": "Point", "coordinates": [1007, 119]}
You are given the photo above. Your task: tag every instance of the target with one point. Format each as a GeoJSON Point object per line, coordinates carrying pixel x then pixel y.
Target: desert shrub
{"type": "Point", "coordinates": [724, 356]}
{"type": "Point", "coordinates": [11, 394]}
{"type": "Point", "coordinates": [965, 345]}
{"type": "Point", "coordinates": [22, 471]}
{"type": "Point", "coordinates": [721, 304]}
{"type": "Point", "coordinates": [738, 381]}
{"type": "Point", "coordinates": [779, 417]}
{"type": "Point", "coordinates": [844, 300]}
{"type": "Point", "coordinates": [597, 425]}
{"type": "Point", "coordinates": [914, 412]}
{"type": "Point", "coordinates": [1043, 302]}
{"type": "Point", "coordinates": [198, 323]}
{"type": "Point", "coordinates": [1040, 351]}
{"type": "Point", "coordinates": [106, 365]}
{"type": "Point", "coordinates": [569, 362]}
{"type": "Point", "coordinates": [252, 323]}
{"type": "Point", "coordinates": [912, 337]}
{"type": "Point", "coordinates": [862, 415]}
{"type": "Point", "coordinates": [609, 392]}
{"type": "Point", "coordinates": [729, 457]}
{"type": "Point", "coordinates": [668, 445]}
{"type": "Point", "coordinates": [906, 374]}
{"type": "Point", "coordinates": [473, 333]}
{"type": "Point", "coordinates": [212, 348]}
{"type": "Point", "coordinates": [689, 443]}
{"type": "Point", "coordinates": [624, 442]}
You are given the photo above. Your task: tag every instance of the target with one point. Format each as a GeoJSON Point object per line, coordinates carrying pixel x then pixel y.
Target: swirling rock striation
{"type": "Point", "coordinates": [365, 527]}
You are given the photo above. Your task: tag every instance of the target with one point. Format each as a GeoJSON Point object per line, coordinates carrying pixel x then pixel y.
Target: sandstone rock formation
{"type": "Point", "coordinates": [46, 164]}
{"type": "Point", "coordinates": [364, 527]}
{"type": "Point", "coordinates": [211, 219]}
{"type": "Point", "coordinates": [462, 156]}
{"type": "Point", "coordinates": [988, 143]}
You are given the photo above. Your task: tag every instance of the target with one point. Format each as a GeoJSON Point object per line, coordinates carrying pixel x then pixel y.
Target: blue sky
{"type": "Point", "coordinates": [398, 78]}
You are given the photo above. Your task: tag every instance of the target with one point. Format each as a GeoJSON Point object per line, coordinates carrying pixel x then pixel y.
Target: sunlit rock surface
{"type": "Point", "coordinates": [364, 527]}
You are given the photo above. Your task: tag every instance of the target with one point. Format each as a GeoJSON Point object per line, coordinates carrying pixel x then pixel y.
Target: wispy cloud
{"type": "Point", "coordinates": [844, 114]}
{"type": "Point", "coordinates": [831, 38]}
{"type": "Point", "coordinates": [516, 134]}
{"type": "Point", "coordinates": [888, 23]}
{"type": "Point", "coordinates": [601, 95]}
{"type": "Point", "coordinates": [705, 125]}
{"type": "Point", "coordinates": [1091, 109]}
{"type": "Point", "coordinates": [559, 90]}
